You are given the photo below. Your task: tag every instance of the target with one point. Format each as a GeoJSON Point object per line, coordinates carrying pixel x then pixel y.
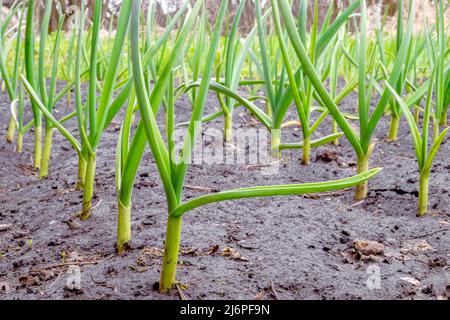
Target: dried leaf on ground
{"type": "Point", "coordinates": [367, 247]}
{"type": "Point", "coordinates": [142, 261]}
{"type": "Point", "coordinates": [416, 246]}
{"type": "Point", "coordinates": [365, 250]}
{"type": "Point", "coordinates": [152, 252]}
{"type": "Point", "coordinates": [214, 248]}
{"type": "Point", "coordinates": [189, 251]}
{"type": "Point", "coordinates": [413, 281]}
{"type": "Point", "coordinates": [233, 254]}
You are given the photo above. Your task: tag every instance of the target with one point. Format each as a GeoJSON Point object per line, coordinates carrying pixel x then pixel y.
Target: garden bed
{"type": "Point", "coordinates": [299, 247]}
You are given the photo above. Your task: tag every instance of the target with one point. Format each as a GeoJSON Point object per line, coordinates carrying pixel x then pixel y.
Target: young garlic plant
{"type": "Point", "coordinates": [231, 60]}
{"type": "Point", "coordinates": [173, 172]}
{"type": "Point", "coordinates": [302, 89]}
{"type": "Point", "coordinates": [36, 80]}
{"type": "Point", "coordinates": [31, 79]}
{"type": "Point", "coordinates": [130, 150]}
{"type": "Point", "coordinates": [362, 143]}
{"type": "Point", "coordinates": [424, 154]}
{"type": "Point", "coordinates": [234, 59]}
{"type": "Point", "coordinates": [279, 93]}
{"type": "Point", "coordinates": [413, 53]}
{"type": "Point", "coordinates": [94, 117]}
{"type": "Point", "coordinates": [46, 97]}
{"type": "Point", "coordinates": [297, 87]}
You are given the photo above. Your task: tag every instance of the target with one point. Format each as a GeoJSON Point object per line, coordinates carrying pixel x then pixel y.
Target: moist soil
{"type": "Point", "coordinates": [298, 247]}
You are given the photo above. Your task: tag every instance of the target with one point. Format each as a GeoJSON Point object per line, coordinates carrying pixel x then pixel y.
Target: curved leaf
{"type": "Point", "coordinates": [217, 87]}
{"type": "Point", "coordinates": [270, 191]}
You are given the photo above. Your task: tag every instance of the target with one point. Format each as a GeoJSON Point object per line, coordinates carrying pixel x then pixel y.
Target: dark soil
{"type": "Point", "coordinates": [298, 247]}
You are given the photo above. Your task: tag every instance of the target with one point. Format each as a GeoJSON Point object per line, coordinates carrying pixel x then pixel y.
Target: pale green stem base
{"type": "Point", "coordinates": [20, 143]}
{"type": "Point", "coordinates": [423, 195]}
{"type": "Point", "coordinates": [393, 130]}
{"type": "Point", "coordinates": [11, 131]}
{"type": "Point", "coordinates": [170, 258]}
{"type": "Point", "coordinates": [46, 153]}
{"type": "Point", "coordinates": [362, 189]}
{"type": "Point", "coordinates": [37, 147]}
{"type": "Point", "coordinates": [123, 228]}
{"type": "Point", "coordinates": [306, 160]}
{"type": "Point", "coordinates": [276, 142]}
{"type": "Point", "coordinates": [443, 121]}
{"type": "Point", "coordinates": [228, 128]}
{"type": "Point", "coordinates": [88, 188]}
{"type": "Point", "coordinates": [335, 130]}
{"type": "Point", "coordinates": [81, 173]}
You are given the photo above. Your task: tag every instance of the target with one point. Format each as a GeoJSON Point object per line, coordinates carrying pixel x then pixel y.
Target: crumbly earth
{"type": "Point", "coordinates": [299, 247]}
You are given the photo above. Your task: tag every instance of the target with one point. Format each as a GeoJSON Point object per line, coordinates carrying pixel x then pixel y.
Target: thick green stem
{"type": "Point", "coordinates": [11, 130]}
{"type": "Point", "coordinates": [363, 188]}
{"type": "Point", "coordinates": [81, 173]}
{"type": "Point", "coordinates": [443, 121]}
{"type": "Point", "coordinates": [229, 128]}
{"type": "Point", "coordinates": [363, 166]}
{"type": "Point", "coordinates": [123, 228]}
{"type": "Point", "coordinates": [37, 147]}
{"type": "Point", "coordinates": [171, 250]}
{"type": "Point", "coordinates": [393, 131]}
{"type": "Point", "coordinates": [46, 153]}
{"type": "Point", "coordinates": [423, 194]}
{"type": "Point", "coordinates": [88, 191]}
{"type": "Point", "coordinates": [20, 142]}
{"type": "Point", "coordinates": [306, 160]}
{"type": "Point", "coordinates": [276, 141]}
